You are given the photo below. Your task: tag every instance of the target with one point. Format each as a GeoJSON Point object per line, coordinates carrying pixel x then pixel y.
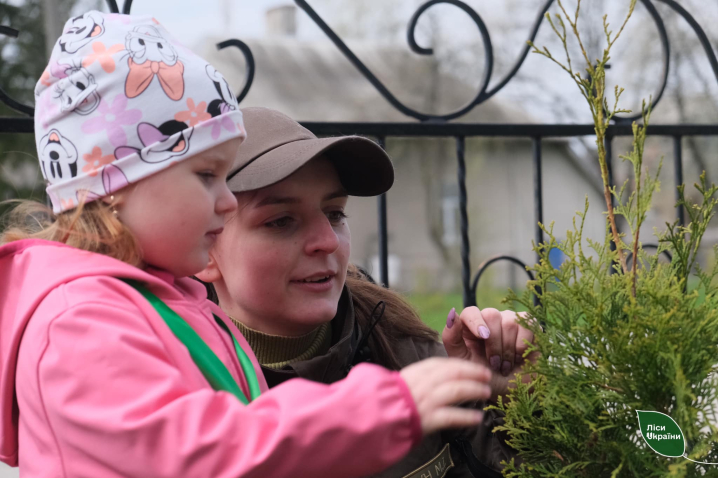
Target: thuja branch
{"type": "Point", "coordinates": [593, 89]}
{"type": "Point", "coordinates": [636, 157]}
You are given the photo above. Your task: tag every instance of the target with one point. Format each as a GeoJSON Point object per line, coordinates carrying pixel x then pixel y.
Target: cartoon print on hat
{"type": "Point", "coordinates": [58, 157]}
{"type": "Point", "coordinates": [171, 139]}
{"type": "Point", "coordinates": [124, 106]}
{"type": "Point", "coordinates": [152, 55]}
{"type": "Point", "coordinates": [112, 118]}
{"type": "Point", "coordinates": [103, 55]}
{"type": "Point", "coordinates": [113, 179]}
{"type": "Point", "coordinates": [227, 101]}
{"type": "Point", "coordinates": [76, 90]}
{"type": "Point", "coordinates": [81, 31]}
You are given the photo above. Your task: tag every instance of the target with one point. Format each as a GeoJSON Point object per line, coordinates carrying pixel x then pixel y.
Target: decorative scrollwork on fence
{"type": "Point", "coordinates": [249, 60]}
{"type": "Point", "coordinates": [487, 263]}
{"type": "Point", "coordinates": [700, 33]}
{"type": "Point", "coordinates": [4, 97]}
{"type": "Point", "coordinates": [484, 92]}
{"type": "Point", "coordinates": [126, 7]}
{"type": "Point", "coordinates": [667, 254]}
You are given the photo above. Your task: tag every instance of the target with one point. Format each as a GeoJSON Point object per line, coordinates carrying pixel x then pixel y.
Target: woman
{"type": "Point", "coordinates": [281, 271]}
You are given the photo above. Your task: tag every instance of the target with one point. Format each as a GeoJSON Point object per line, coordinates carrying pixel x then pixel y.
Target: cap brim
{"type": "Point", "coordinates": [364, 168]}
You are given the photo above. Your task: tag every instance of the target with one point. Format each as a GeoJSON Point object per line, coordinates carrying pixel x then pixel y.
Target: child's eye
{"type": "Point", "coordinates": [207, 175]}
{"type": "Point", "coordinates": [280, 223]}
{"type": "Point", "coordinates": [335, 217]}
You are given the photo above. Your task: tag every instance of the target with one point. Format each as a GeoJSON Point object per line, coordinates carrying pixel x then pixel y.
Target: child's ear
{"type": "Point", "coordinates": [115, 199]}
{"type": "Point", "coordinates": [211, 273]}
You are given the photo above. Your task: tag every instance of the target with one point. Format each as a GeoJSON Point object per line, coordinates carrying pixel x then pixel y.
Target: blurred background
{"type": "Point", "coordinates": [301, 73]}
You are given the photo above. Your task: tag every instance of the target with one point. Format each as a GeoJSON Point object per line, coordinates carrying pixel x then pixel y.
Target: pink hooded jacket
{"type": "Point", "coordinates": [94, 384]}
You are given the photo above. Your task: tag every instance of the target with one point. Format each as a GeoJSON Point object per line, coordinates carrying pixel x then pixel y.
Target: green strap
{"type": "Point", "coordinates": [206, 360]}
{"type": "Point", "coordinates": [244, 361]}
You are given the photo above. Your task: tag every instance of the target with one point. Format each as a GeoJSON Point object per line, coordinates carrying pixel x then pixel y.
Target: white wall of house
{"type": "Point", "coordinates": [501, 211]}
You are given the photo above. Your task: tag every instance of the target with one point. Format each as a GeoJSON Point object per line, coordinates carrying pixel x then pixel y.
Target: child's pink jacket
{"type": "Point", "coordinates": [94, 384]}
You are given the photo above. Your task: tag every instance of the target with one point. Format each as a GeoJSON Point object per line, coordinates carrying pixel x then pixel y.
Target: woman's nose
{"type": "Point", "coordinates": [321, 238]}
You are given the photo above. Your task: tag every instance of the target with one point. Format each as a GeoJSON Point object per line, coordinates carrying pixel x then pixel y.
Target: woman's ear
{"type": "Point", "coordinates": [211, 273]}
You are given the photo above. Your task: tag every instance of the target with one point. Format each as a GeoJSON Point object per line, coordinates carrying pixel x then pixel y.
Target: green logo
{"type": "Point", "coordinates": [661, 433]}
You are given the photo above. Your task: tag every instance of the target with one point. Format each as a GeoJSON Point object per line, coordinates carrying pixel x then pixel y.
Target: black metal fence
{"type": "Point", "coordinates": [430, 125]}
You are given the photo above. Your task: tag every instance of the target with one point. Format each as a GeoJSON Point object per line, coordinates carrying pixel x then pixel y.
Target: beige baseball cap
{"type": "Point", "coordinates": [276, 146]}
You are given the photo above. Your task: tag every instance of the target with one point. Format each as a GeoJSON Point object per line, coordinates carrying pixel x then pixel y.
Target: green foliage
{"type": "Point", "coordinates": [615, 339]}
{"type": "Point", "coordinates": [606, 353]}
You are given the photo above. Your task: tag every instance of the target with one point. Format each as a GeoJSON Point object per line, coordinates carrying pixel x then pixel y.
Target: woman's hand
{"type": "Point", "coordinates": [437, 384]}
{"type": "Point", "coordinates": [492, 338]}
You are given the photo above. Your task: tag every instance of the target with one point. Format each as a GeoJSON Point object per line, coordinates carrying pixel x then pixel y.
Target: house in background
{"type": "Point", "coordinates": [313, 81]}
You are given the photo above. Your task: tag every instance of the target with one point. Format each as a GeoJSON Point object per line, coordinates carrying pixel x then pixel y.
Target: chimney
{"type": "Point", "coordinates": [282, 21]}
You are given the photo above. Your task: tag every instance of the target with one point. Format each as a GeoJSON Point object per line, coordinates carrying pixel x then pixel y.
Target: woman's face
{"type": "Point", "coordinates": [178, 213]}
{"type": "Point", "coordinates": [281, 263]}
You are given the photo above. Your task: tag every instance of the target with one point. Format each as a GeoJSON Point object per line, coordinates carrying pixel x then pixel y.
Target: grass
{"type": "Point", "coordinates": [433, 308]}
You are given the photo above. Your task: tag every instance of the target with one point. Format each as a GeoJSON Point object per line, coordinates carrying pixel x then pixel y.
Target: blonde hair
{"type": "Point", "coordinates": [91, 227]}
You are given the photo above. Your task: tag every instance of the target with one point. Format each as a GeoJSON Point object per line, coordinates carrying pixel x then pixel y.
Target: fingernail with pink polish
{"type": "Point", "coordinates": [495, 362]}
{"type": "Point", "coordinates": [451, 318]}
{"type": "Point", "coordinates": [484, 332]}
{"type": "Point", "coordinates": [505, 368]}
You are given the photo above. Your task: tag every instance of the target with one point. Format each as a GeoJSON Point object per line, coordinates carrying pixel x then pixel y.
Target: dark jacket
{"type": "Point", "coordinates": [489, 448]}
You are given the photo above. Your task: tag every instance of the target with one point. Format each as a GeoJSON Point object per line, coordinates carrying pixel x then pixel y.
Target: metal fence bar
{"type": "Point", "coordinates": [538, 191]}
{"type": "Point", "coordinates": [464, 217]}
{"type": "Point", "coordinates": [678, 174]}
{"type": "Point", "coordinates": [25, 125]}
{"type": "Point", "coordinates": [500, 130]}
{"type": "Point", "coordinates": [383, 230]}
{"type": "Point", "coordinates": [538, 200]}
{"type": "Point", "coordinates": [608, 144]}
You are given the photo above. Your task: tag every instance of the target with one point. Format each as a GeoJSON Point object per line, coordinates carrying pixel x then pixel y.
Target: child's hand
{"type": "Point", "coordinates": [437, 384]}
{"type": "Point", "coordinates": [489, 337]}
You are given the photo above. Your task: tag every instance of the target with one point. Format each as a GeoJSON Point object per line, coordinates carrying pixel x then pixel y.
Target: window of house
{"type": "Point", "coordinates": [450, 219]}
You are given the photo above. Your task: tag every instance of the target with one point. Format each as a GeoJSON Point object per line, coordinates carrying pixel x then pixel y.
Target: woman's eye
{"type": "Point", "coordinates": [336, 216]}
{"type": "Point", "coordinates": [279, 223]}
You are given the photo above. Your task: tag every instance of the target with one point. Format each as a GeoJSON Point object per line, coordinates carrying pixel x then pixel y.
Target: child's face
{"type": "Point", "coordinates": [176, 214]}
{"type": "Point", "coordinates": [281, 236]}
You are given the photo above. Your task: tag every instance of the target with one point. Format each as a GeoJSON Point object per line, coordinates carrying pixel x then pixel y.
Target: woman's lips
{"type": "Point", "coordinates": [323, 286]}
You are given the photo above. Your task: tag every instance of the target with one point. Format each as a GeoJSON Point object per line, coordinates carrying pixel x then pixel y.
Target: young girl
{"type": "Point", "coordinates": [112, 362]}
{"type": "Point", "coordinates": [281, 271]}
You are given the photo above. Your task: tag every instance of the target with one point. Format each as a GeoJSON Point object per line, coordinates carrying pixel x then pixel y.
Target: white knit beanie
{"type": "Point", "coordinates": [121, 100]}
